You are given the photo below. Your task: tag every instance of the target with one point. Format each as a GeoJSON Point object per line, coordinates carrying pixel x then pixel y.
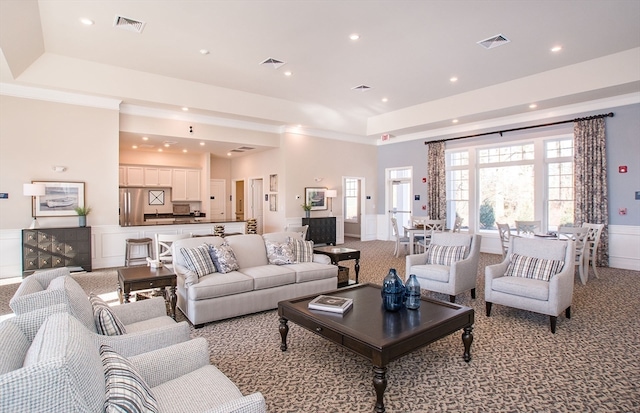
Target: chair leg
{"type": "Point", "coordinates": [488, 306]}
{"type": "Point", "coordinates": [593, 264]}
{"type": "Point", "coordinates": [452, 298]}
{"type": "Point", "coordinates": [567, 312]}
{"type": "Point", "coordinates": [553, 320]}
{"type": "Point", "coordinates": [473, 293]}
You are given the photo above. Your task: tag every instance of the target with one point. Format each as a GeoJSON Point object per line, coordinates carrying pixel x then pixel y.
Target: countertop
{"type": "Point", "coordinates": [168, 219]}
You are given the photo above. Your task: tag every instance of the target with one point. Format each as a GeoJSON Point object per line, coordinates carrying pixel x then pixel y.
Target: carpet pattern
{"type": "Point", "coordinates": [591, 364]}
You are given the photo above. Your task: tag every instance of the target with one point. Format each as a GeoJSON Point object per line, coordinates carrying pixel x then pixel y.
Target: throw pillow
{"type": "Point", "coordinates": [302, 250]}
{"type": "Point", "coordinates": [224, 258]}
{"type": "Point", "coordinates": [445, 255]}
{"type": "Point", "coordinates": [198, 260]}
{"type": "Point", "coordinates": [126, 390]}
{"type": "Point", "coordinates": [279, 253]}
{"type": "Point", "coordinates": [531, 267]}
{"type": "Point", "coordinates": [106, 321]}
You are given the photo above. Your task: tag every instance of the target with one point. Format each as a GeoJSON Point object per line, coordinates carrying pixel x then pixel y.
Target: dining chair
{"type": "Point", "coordinates": [430, 226]}
{"type": "Point", "coordinates": [457, 224]}
{"type": "Point", "coordinates": [505, 235]}
{"type": "Point", "coordinates": [528, 227]}
{"type": "Point", "coordinates": [163, 246]}
{"type": "Point", "coordinates": [297, 228]}
{"type": "Point", "coordinates": [591, 248]}
{"type": "Point", "coordinates": [400, 240]}
{"type": "Point", "coordinates": [579, 236]}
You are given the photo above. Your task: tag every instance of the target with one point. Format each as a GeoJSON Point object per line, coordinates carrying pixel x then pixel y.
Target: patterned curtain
{"type": "Point", "coordinates": [591, 195]}
{"type": "Point", "coordinates": [437, 186]}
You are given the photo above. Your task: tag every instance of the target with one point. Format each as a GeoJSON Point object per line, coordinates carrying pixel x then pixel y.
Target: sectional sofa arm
{"type": "Point", "coordinates": [132, 344]}
{"type": "Point", "coordinates": [42, 299]}
{"type": "Point", "coordinates": [140, 310]}
{"type": "Point", "coordinates": [252, 403]}
{"type": "Point", "coordinates": [162, 365]}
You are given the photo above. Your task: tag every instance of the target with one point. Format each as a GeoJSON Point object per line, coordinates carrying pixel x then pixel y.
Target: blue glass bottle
{"type": "Point", "coordinates": [412, 289]}
{"type": "Point", "coordinates": [392, 291]}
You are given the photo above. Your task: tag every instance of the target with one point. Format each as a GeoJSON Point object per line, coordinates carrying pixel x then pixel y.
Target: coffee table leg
{"type": "Point", "coordinates": [172, 300]}
{"type": "Point", "coordinates": [284, 330]}
{"type": "Point", "coordinates": [357, 268]}
{"type": "Point", "coordinates": [380, 384]}
{"type": "Point", "coordinates": [467, 339]}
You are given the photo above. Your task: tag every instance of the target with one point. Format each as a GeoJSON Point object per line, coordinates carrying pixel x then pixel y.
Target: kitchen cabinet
{"type": "Point", "coordinates": [185, 185]}
{"type": "Point", "coordinates": [131, 175]}
{"type": "Point", "coordinates": [157, 176]}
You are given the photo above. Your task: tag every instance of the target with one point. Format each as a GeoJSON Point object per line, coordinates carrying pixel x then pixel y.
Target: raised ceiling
{"type": "Point", "coordinates": [406, 53]}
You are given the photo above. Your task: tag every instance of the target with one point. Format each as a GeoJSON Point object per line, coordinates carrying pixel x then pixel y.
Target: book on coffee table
{"type": "Point", "coordinates": [331, 304]}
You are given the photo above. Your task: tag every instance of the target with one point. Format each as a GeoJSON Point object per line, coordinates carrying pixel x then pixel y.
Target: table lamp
{"type": "Point", "coordinates": [33, 190]}
{"type": "Point", "coordinates": [331, 193]}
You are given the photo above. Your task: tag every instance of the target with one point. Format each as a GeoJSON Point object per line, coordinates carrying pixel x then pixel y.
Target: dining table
{"type": "Point", "coordinates": [411, 231]}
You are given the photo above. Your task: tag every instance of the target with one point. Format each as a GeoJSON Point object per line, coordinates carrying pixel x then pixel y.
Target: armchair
{"type": "Point", "coordinates": [530, 262]}
{"type": "Point", "coordinates": [450, 278]}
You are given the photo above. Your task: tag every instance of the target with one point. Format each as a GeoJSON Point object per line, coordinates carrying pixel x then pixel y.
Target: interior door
{"type": "Point", "coordinates": [218, 197]}
{"type": "Point", "coordinates": [400, 202]}
{"type": "Point", "coordinates": [257, 203]}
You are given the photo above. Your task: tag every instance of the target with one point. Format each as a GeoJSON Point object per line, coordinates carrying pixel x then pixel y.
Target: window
{"type": "Point", "coordinates": [457, 164]}
{"type": "Point", "coordinates": [350, 200]}
{"type": "Point", "coordinates": [559, 159]}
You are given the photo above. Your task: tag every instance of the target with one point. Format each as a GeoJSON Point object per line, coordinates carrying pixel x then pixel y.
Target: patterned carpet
{"type": "Point", "coordinates": [591, 364]}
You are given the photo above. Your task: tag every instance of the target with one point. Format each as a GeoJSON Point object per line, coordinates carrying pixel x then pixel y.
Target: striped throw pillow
{"type": "Point", "coordinates": [126, 390]}
{"type": "Point", "coordinates": [531, 267]}
{"type": "Point", "coordinates": [302, 250]}
{"type": "Point", "coordinates": [106, 321]}
{"type": "Point", "coordinates": [198, 260]}
{"type": "Point", "coordinates": [445, 255]}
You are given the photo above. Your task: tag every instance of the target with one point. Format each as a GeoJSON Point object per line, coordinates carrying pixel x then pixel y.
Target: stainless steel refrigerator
{"type": "Point", "coordinates": [132, 206]}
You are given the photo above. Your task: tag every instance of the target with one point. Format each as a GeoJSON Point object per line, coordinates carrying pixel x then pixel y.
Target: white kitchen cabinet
{"type": "Point", "coordinates": [185, 185]}
{"type": "Point", "coordinates": [131, 175]}
{"type": "Point", "coordinates": [157, 176]}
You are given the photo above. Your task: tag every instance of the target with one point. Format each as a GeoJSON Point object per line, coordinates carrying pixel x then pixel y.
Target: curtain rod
{"type": "Point", "coordinates": [603, 115]}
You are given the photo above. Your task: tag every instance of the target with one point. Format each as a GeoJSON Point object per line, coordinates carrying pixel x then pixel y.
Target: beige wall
{"type": "Point", "coordinates": [36, 135]}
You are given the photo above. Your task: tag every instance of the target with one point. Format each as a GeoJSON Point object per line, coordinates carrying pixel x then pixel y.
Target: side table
{"type": "Point", "coordinates": [337, 254]}
{"type": "Point", "coordinates": [144, 278]}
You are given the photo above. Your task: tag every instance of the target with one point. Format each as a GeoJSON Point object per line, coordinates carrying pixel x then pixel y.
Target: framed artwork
{"type": "Point", "coordinates": [273, 202]}
{"type": "Point", "coordinates": [60, 199]}
{"type": "Point", "coordinates": [316, 197]}
{"type": "Point", "coordinates": [273, 183]}
{"type": "Point", "coordinates": [156, 197]}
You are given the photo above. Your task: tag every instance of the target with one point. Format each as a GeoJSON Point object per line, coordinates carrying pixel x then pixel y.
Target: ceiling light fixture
{"type": "Point", "coordinates": [354, 36]}
{"type": "Point", "coordinates": [453, 79]}
{"type": "Point", "coordinates": [135, 146]}
{"type": "Point", "coordinates": [454, 121]}
{"type": "Point", "coordinates": [288, 73]}
{"type": "Point", "coordinates": [385, 99]}
{"type": "Point", "coordinates": [556, 49]}
{"type": "Point", "coordinates": [145, 138]}
{"type": "Point", "coordinates": [185, 109]}
{"type": "Point", "coordinates": [204, 51]}
{"type": "Point", "coordinates": [201, 143]}
{"type": "Point", "coordinates": [166, 145]}
{"type": "Point", "coordinates": [159, 149]}
{"type": "Point", "coordinates": [184, 151]}
{"type": "Point", "coordinates": [533, 106]}
{"type": "Point", "coordinates": [86, 22]}
{"type": "Point", "coordinates": [228, 153]}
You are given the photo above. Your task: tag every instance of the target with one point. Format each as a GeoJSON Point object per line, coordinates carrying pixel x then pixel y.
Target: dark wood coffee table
{"type": "Point", "coordinates": [378, 335]}
{"type": "Point", "coordinates": [337, 254]}
{"type": "Point", "coordinates": [144, 278]}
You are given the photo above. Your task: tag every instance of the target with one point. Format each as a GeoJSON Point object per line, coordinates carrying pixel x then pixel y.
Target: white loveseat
{"type": "Point", "coordinates": [256, 286]}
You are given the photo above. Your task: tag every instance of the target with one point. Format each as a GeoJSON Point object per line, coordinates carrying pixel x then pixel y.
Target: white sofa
{"type": "Point", "coordinates": [256, 286]}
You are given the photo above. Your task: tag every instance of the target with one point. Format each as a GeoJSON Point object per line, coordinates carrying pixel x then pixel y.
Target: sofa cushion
{"type": "Point", "coordinates": [523, 287]}
{"type": "Point", "coordinates": [220, 285]}
{"type": "Point", "coordinates": [279, 253]}
{"type": "Point", "coordinates": [531, 267]}
{"type": "Point", "coordinates": [249, 250]}
{"type": "Point", "coordinates": [445, 255]}
{"type": "Point", "coordinates": [224, 258]}
{"type": "Point", "coordinates": [433, 272]}
{"type": "Point", "coordinates": [312, 271]}
{"type": "Point", "coordinates": [268, 276]}
{"type": "Point", "coordinates": [126, 390]}
{"type": "Point", "coordinates": [106, 321]}
{"type": "Point", "coordinates": [198, 260]}
{"type": "Point", "coordinates": [303, 250]}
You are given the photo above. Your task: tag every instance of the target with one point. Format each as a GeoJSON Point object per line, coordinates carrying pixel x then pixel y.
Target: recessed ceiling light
{"type": "Point", "coordinates": [159, 149]}
{"type": "Point", "coordinates": [556, 49]}
{"type": "Point", "coordinates": [86, 22]}
{"type": "Point", "coordinates": [454, 121]}
{"type": "Point", "coordinates": [453, 79]}
{"type": "Point", "coordinates": [135, 146]}
{"type": "Point", "coordinates": [144, 138]}
{"type": "Point", "coordinates": [185, 109]}
{"type": "Point", "coordinates": [201, 143]}
{"type": "Point", "coordinates": [228, 153]}
{"type": "Point", "coordinates": [166, 145]}
{"type": "Point", "coordinates": [184, 151]}
{"type": "Point", "coordinates": [288, 73]}
{"type": "Point", "coordinates": [204, 51]}
{"type": "Point", "coordinates": [533, 106]}
{"type": "Point", "coordinates": [385, 99]}
{"type": "Point", "coordinates": [354, 36]}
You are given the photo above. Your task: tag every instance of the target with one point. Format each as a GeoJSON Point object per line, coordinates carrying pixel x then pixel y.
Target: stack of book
{"type": "Point", "coordinates": [332, 304]}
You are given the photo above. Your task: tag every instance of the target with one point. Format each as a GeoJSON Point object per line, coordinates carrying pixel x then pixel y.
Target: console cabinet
{"type": "Point", "coordinates": [45, 248]}
{"type": "Point", "coordinates": [321, 230]}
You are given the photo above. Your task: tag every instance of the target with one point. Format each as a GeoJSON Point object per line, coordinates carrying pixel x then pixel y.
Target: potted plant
{"type": "Point", "coordinates": [82, 215]}
{"type": "Point", "coordinates": [307, 210]}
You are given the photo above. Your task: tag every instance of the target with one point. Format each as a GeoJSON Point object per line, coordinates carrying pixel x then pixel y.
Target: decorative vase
{"type": "Point", "coordinates": [307, 214]}
{"type": "Point", "coordinates": [82, 219]}
{"type": "Point", "coordinates": [392, 291]}
{"type": "Point", "coordinates": [412, 292]}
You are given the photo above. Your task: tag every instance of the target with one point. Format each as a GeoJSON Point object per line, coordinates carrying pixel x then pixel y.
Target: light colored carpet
{"type": "Point", "coordinates": [592, 363]}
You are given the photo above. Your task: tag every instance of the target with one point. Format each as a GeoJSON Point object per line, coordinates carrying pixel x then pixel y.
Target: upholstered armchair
{"type": "Point", "coordinates": [537, 275]}
{"type": "Point", "coordinates": [449, 266]}
{"type": "Point", "coordinates": [138, 327]}
{"type": "Point", "coordinates": [63, 370]}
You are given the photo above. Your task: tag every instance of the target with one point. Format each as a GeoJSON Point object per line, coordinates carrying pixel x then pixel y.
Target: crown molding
{"type": "Point", "coordinates": [48, 95]}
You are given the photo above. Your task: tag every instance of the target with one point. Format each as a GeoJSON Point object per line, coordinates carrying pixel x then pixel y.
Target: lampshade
{"type": "Point", "coordinates": [33, 189]}
{"type": "Point", "coordinates": [331, 193]}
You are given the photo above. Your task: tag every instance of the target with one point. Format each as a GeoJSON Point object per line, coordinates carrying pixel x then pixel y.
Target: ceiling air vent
{"type": "Point", "coordinates": [494, 41]}
{"type": "Point", "coordinates": [128, 24]}
{"type": "Point", "coordinates": [246, 148]}
{"type": "Point", "coordinates": [235, 150]}
{"type": "Point", "coordinates": [361, 88]}
{"type": "Point", "coordinates": [273, 62]}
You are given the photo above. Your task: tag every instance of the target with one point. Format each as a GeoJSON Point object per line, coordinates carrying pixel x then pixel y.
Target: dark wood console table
{"type": "Point", "coordinates": [321, 230]}
{"type": "Point", "coordinates": [44, 248]}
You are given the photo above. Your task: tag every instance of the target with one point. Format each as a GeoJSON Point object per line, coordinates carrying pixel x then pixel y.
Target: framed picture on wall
{"type": "Point", "coordinates": [316, 197]}
{"type": "Point", "coordinates": [273, 183]}
{"type": "Point", "coordinates": [60, 199]}
{"type": "Point", "coordinates": [273, 202]}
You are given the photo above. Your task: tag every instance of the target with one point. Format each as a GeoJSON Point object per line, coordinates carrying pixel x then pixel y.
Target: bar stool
{"type": "Point", "coordinates": [132, 243]}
